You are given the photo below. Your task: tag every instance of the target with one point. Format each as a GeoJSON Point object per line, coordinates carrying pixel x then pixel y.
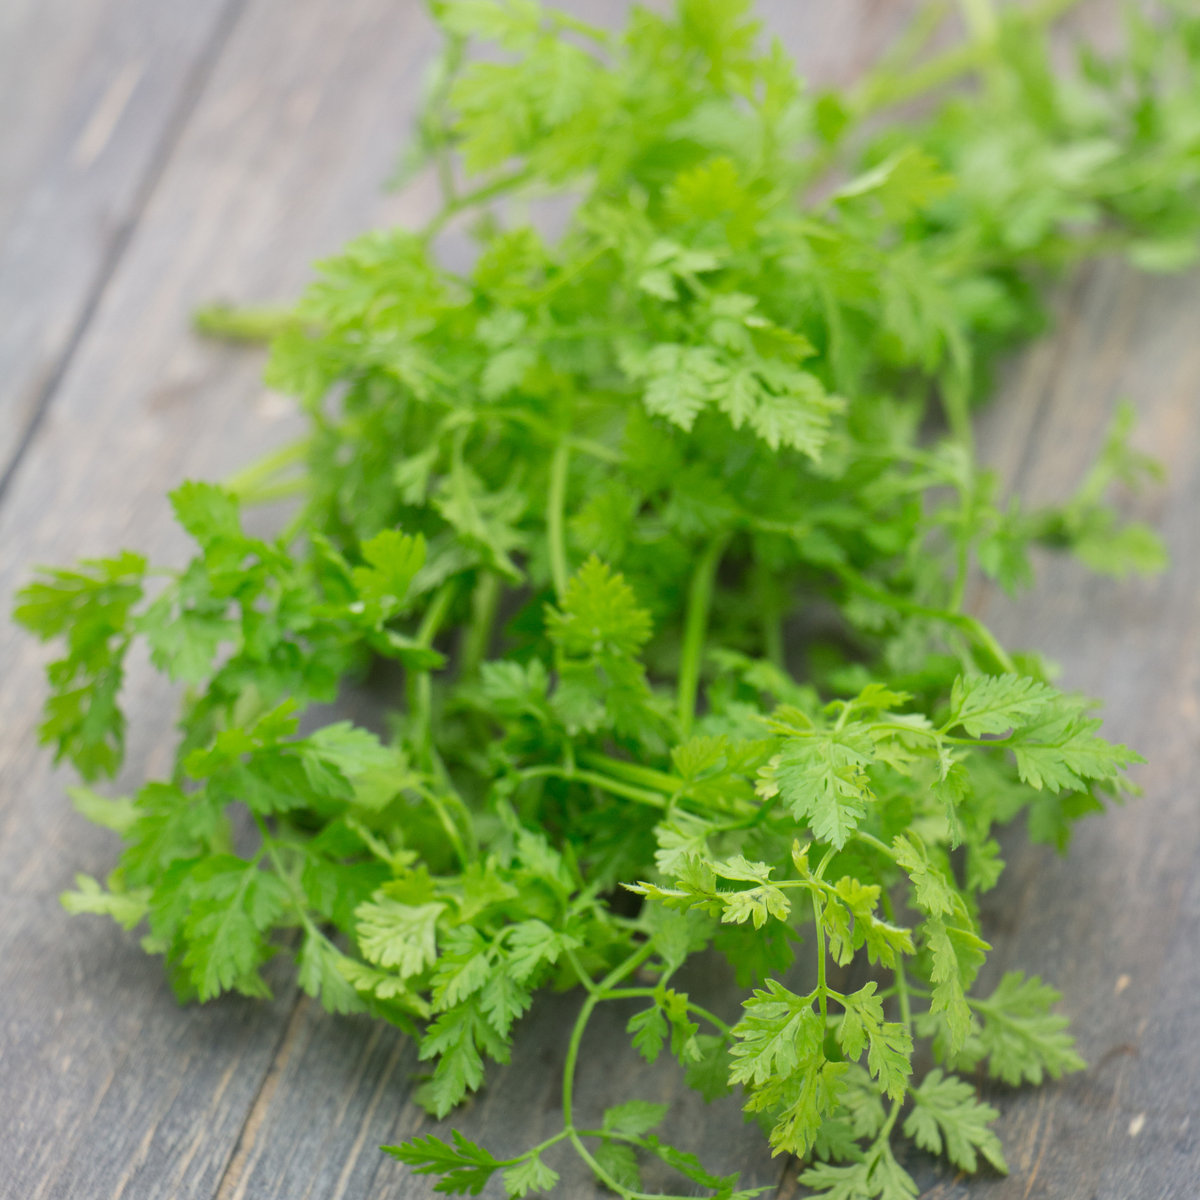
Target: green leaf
{"type": "Point", "coordinates": [393, 561]}
{"type": "Point", "coordinates": [776, 1033]}
{"type": "Point", "coordinates": [532, 943]}
{"type": "Point", "coordinates": [321, 975]}
{"type": "Point", "coordinates": [1061, 750]}
{"type": "Point", "coordinates": [889, 1057]}
{"type": "Point", "coordinates": [463, 1166]}
{"type": "Point", "coordinates": [370, 982]}
{"type": "Point", "coordinates": [946, 1112]}
{"type": "Point", "coordinates": [1021, 1036]}
{"type": "Point", "coordinates": [184, 643]}
{"type": "Point", "coordinates": [208, 512]}
{"type": "Point", "coordinates": [709, 1074]}
{"type": "Point", "coordinates": [463, 968]}
{"type": "Point", "coordinates": [620, 1163]}
{"type": "Point", "coordinates": [599, 614]}
{"type": "Point", "coordinates": [884, 942]}
{"type": "Point", "coordinates": [117, 815]}
{"type": "Point", "coordinates": [957, 956]}
{"type": "Point", "coordinates": [127, 908]}
{"type": "Point", "coordinates": [649, 1029]}
{"type": "Point", "coordinates": [91, 608]}
{"type": "Point", "coordinates": [232, 903]}
{"type": "Point", "coordinates": [906, 180]}
{"type": "Point", "coordinates": [531, 1175]}
{"type": "Point", "coordinates": [398, 935]}
{"type": "Point", "coordinates": [458, 1039]}
{"type": "Point", "coordinates": [984, 704]}
{"type": "Point", "coordinates": [680, 381]}
{"type": "Point", "coordinates": [633, 1118]}
{"type": "Point", "coordinates": [877, 1175]}
{"type": "Point", "coordinates": [823, 781]}
{"type": "Point", "coordinates": [932, 890]}
{"type": "Point", "coordinates": [862, 1104]}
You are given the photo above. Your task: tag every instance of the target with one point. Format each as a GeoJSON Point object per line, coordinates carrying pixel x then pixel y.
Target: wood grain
{"type": "Point", "coordinates": [92, 98]}
{"type": "Point", "coordinates": [108, 1089]}
{"type": "Point", "coordinates": [1115, 924]}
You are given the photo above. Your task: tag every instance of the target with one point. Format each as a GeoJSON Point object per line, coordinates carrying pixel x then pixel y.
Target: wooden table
{"type": "Point", "coordinates": [157, 154]}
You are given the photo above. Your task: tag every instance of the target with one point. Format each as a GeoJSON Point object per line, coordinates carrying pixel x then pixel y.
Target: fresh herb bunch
{"type": "Point", "coordinates": [580, 495]}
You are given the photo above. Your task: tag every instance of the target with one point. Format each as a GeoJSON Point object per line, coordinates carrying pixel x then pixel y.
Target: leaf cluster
{"type": "Point", "coordinates": [582, 496]}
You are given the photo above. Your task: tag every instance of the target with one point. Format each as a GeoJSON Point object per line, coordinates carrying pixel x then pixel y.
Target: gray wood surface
{"type": "Point", "coordinates": [94, 97]}
{"type": "Point", "coordinates": [272, 127]}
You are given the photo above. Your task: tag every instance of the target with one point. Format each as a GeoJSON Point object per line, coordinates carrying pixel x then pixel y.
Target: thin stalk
{"type": "Point", "coordinates": [555, 505]}
{"type": "Point", "coordinates": [871, 840]}
{"type": "Point", "coordinates": [646, 776]}
{"type": "Point", "coordinates": [447, 822]}
{"type": "Point", "coordinates": [478, 636]}
{"type": "Point", "coordinates": [981, 20]}
{"type": "Point", "coordinates": [974, 629]}
{"type": "Point", "coordinates": [614, 976]}
{"type": "Point", "coordinates": [487, 192]}
{"type": "Point", "coordinates": [420, 689]}
{"type": "Point", "coordinates": [822, 989]}
{"type": "Point", "coordinates": [243, 324]}
{"type": "Point", "coordinates": [695, 627]}
{"type": "Point", "coordinates": [603, 782]}
{"type": "Point", "coordinates": [635, 993]}
{"type": "Point", "coordinates": [250, 480]}
{"type": "Point", "coordinates": [883, 91]}
{"type": "Point", "coordinates": [901, 980]}
{"type": "Point", "coordinates": [588, 982]}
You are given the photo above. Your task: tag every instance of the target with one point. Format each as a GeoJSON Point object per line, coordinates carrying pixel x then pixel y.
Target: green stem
{"type": "Point", "coordinates": [555, 506]}
{"type": "Point", "coordinates": [447, 822]}
{"type": "Point", "coordinates": [695, 627]}
{"type": "Point", "coordinates": [981, 21]}
{"type": "Point", "coordinates": [636, 993]}
{"type": "Point", "coordinates": [901, 980]}
{"type": "Point", "coordinates": [603, 782]}
{"type": "Point", "coordinates": [478, 635]}
{"type": "Point", "coordinates": [419, 686]}
{"type": "Point", "coordinates": [243, 324]}
{"type": "Point", "coordinates": [974, 629]}
{"type": "Point", "coordinates": [822, 991]}
{"type": "Point", "coordinates": [487, 192]}
{"type": "Point", "coordinates": [659, 781]}
{"type": "Point", "coordinates": [883, 91]}
{"type": "Point", "coordinates": [585, 1013]}
{"type": "Point", "coordinates": [594, 997]}
{"type": "Point", "coordinates": [248, 483]}
{"type": "Point", "coordinates": [872, 840]}
{"type": "Point", "coordinates": [888, 1125]}
{"type": "Point", "coordinates": [588, 982]}
{"type": "Point", "coordinates": [533, 1151]}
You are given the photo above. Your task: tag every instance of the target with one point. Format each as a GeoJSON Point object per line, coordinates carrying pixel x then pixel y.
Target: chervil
{"type": "Point", "coordinates": [712, 403]}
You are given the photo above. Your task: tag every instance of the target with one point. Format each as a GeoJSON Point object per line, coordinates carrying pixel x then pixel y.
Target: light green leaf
{"type": "Point", "coordinates": [398, 935]}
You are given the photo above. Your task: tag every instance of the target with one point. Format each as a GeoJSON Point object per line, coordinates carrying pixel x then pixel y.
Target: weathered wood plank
{"type": "Point", "coordinates": [1116, 924]}
{"type": "Point", "coordinates": [108, 1088]}
{"type": "Point", "coordinates": [239, 212]}
{"type": "Point", "coordinates": [92, 98]}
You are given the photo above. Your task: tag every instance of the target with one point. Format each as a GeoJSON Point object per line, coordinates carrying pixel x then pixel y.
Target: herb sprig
{"type": "Point", "coordinates": [579, 495]}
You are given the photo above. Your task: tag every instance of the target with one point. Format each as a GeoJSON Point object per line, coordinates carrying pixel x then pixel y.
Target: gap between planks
{"type": "Point", "coordinates": [232, 1184]}
{"type": "Point", "coordinates": [95, 136]}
